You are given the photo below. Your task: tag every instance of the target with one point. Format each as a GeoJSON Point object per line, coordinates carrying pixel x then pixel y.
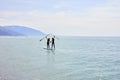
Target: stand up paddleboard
{"type": "Point", "coordinates": [48, 49]}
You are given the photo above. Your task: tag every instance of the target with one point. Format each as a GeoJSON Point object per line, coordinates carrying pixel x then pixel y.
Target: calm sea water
{"type": "Point", "coordinates": [75, 58]}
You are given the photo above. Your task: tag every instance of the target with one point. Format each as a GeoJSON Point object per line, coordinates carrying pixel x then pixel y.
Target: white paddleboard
{"type": "Point", "coordinates": [47, 49]}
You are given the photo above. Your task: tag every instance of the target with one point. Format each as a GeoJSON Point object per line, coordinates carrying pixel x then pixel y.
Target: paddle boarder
{"type": "Point", "coordinates": [48, 43]}
{"type": "Point", "coordinates": [53, 43]}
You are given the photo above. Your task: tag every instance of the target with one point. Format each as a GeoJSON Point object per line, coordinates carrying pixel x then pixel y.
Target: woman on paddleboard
{"type": "Point", "coordinates": [53, 43]}
{"type": "Point", "coordinates": [48, 43]}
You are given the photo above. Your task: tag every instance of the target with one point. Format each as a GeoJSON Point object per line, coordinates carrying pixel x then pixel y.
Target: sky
{"type": "Point", "coordinates": [64, 17]}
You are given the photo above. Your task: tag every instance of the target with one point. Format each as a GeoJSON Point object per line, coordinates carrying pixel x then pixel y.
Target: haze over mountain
{"type": "Point", "coordinates": [19, 31]}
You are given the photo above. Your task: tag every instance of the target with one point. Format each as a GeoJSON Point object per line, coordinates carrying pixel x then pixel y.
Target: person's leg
{"type": "Point", "coordinates": [48, 46]}
{"type": "Point", "coordinates": [54, 45]}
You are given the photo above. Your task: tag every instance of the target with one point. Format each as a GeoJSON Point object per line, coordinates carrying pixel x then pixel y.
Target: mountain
{"type": "Point", "coordinates": [19, 31]}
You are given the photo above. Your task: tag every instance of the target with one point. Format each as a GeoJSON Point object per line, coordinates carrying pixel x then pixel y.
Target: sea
{"type": "Point", "coordinates": [75, 58]}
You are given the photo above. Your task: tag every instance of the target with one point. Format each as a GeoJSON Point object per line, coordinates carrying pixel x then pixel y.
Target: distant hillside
{"type": "Point", "coordinates": [19, 31]}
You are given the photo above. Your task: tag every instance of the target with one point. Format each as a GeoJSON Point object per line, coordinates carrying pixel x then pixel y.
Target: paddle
{"type": "Point", "coordinates": [44, 37]}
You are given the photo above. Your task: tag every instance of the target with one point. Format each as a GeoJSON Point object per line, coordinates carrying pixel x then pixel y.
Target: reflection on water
{"type": "Point", "coordinates": [50, 57]}
{"type": "Point", "coordinates": [50, 52]}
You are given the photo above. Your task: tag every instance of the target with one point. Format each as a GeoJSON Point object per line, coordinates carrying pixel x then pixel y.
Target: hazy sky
{"type": "Point", "coordinates": [64, 17]}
